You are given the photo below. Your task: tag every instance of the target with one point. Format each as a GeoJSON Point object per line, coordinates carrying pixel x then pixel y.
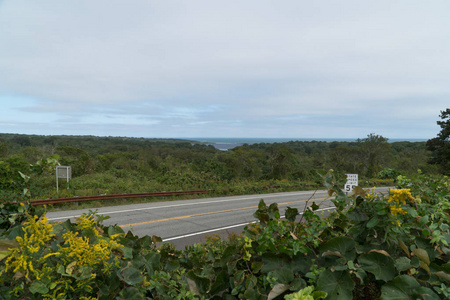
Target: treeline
{"type": "Point", "coordinates": [120, 164]}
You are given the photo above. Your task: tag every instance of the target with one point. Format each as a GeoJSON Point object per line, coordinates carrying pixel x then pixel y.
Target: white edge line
{"type": "Point", "coordinates": [225, 228]}
{"type": "Point", "coordinates": [262, 196]}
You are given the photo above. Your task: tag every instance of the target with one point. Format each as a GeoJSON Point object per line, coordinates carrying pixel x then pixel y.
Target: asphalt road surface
{"type": "Point", "coordinates": [185, 222]}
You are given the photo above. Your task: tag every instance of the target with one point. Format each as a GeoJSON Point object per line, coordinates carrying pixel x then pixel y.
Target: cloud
{"type": "Point", "coordinates": [178, 65]}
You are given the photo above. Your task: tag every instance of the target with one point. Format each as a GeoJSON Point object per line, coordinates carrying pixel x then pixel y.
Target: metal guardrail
{"type": "Point", "coordinates": [134, 195]}
{"type": "Point", "coordinates": [116, 196]}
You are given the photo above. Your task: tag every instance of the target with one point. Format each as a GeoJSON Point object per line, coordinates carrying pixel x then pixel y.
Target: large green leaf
{"type": "Point", "coordinates": [373, 222]}
{"type": "Point", "coordinates": [403, 264]}
{"type": "Point", "coordinates": [426, 293]}
{"type": "Point", "coordinates": [5, 245]}
{"type": "Point", "coordinates": [273, 211]}
{"type": "Point", "coordinates": [401, 287]}
{"type": "Point", "coordinates": [251, 294]}
{"type": "Point", "coordinates": [127, 252]}
{"type": "Point", "coordinates": [277, 290]}
{"type": "Point", "coordinates": [273, 262]}
{"type": "Point", "coordinates": [220, 283]}
{"type": "Point", "coordinates": [291, 213]}
{"type": "Point", "coordinates": [131, 275]}
{"type": "Point", "coordinates": [300, 264]}
{"type": "Point", "coordinates": [4, 254]}
{"type": "Point", "coordinates": [443, 275]}
{"type": "Point", "coordinates": [343, 245]}
{"type": "Point", "coordinates": [338, 285]}
{"type": "Point", "coordinates": [202, 284]}
{"type": "Point", "coordinates": [227, 255]}
{"type": "Point", "coordinates": [130, 293]}
{"type": "Point", "coordinates": [357, 215]}
{"type": "Point", "coordinates": [284, 275]}
{"type": "Point", "coordinates": [38, 287]}
{"type": "Point", "coordinates": [154, 260]}
{"type": "Point", "coordinates": [378, 264]}
{"type": "Point", "coordinates": [422, 254]}
{"type": "Point", "coordinates": [406, 287]}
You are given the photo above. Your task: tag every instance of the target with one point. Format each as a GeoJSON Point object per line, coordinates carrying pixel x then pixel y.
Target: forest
{"type": "Point", "coordinates": [373, 246]}
{"type": "Point", "coordinates": [113, 165]}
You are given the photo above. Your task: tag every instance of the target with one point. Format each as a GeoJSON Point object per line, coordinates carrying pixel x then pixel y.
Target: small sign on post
{"type": "Point", "coordinates": [352, 181]}
{"type": "Point", "coordinates": [64, 172]}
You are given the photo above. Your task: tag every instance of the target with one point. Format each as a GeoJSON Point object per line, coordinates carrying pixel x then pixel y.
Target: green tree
{"type": "Point", "coordinates": [80, 160]}
{"type": "Point", "coordinates": [3, 149]}
{"type": "Point", "coordinates": [217, 167]}
{"type": "Point", "coordinates": [281, 162]}
{"type": "Point", "coordinates": [375, 149]}
{"type": "Point", "coordinates": [32, 154]}
{"type": "Point", "coordinates": [347, 159]}
{"type": "Point", "coordinates": [245, 163]}
{"type": "Point", "coordinates": [440, 145]}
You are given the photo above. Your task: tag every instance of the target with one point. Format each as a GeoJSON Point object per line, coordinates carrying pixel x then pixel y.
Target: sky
{"type": "Point", "coordinates": [202, 68]}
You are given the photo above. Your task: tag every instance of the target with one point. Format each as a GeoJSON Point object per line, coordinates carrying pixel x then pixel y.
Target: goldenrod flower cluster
{"type": "Point", "coordinates": [36, 234]}
{"type": "Point", "coordinates": [38, 258]}
{"type": "Point", "coordinates": [87, 253]}
{"type": "Point", "coordinates": [397, 198]}
{"type": "Point", "coordinates": [371, 194]}
{"type": "Point", "coordinates": [397, 210]}
{"type": "Point", "coordinates": [400, 196]}
{"type": "Point", "coordinates": [86, 222]}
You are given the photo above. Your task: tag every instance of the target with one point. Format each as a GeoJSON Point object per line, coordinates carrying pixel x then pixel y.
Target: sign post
{"type": "Point", "coordinates": [352, 181]}
{"type": "Point", "coordinates": [64, 172]}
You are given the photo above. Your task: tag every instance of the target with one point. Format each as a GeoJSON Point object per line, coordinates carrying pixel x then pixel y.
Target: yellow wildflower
{"type": "Point", "coordinates": [37, 232]}
{"type": "Point", "coordinates": [397, 210]}
{"type": "Point", "coordinates": [50, 254]}
{"type": "Point", "coordinates": [372, 194]}
{"type": "Point", "coordinates": [400, 196]}
{"type": "Point", "coordinates": [85, 222]}
{"type": "Point", "coordinates": [397, 222]}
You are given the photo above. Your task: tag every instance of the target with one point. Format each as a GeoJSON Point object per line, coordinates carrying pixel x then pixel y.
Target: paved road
{"type": "Point", "coordinates": [184, 222]}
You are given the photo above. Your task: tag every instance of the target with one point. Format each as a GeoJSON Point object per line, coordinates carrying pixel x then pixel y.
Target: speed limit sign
{"type": "Point", "coordinates": [352, 181]}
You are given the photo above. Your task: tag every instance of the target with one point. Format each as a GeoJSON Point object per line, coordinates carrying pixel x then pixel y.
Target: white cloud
{"type": "Point", "coordinates": [233, 64]}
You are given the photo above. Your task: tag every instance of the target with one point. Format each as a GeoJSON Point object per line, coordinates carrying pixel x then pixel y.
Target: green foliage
{"type": "Point", "coordinates": [3, 149]}
{"type": "Point", "coordinates": [374, 150]}
{"type": "Point", "coordinates": [15, 214]}
{"type": "Point", "coordinates": [145, 165]}
{"type": "Point", "coordinates": [440, 145]}
{"type": "Point", "coordinates": [373, 246]}
{"type": "Point", "coordinates": [80, 161]}
{"type": "Point", "coordinates": [388, 174]}
{"type": "Point", "coordinates": [307, 293]}
{"type": "Point", "coordinates": [81, 260]}
{"type": "Point", "coordinates": [392, 246]}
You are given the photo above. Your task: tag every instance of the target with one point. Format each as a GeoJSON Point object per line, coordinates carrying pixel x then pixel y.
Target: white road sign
{"type": "Point", "coordinates": [352, 181]}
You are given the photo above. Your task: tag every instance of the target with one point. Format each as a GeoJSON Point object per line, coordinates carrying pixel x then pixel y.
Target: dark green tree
{"type": "Point", "coordinates": [281, 161]}
{"type": "Point", "coordinates": [80, 161]}
{"type": "Point", "coordinates": [347, 159]}
{"type": "Point", "coordinates": [244, 162]}
{"type": "Point", "coordinates": [440, 145]}
{"type": "Point", "coordinates": [3, 149]}
{"type": "Point", "coordinates": [375, 150]}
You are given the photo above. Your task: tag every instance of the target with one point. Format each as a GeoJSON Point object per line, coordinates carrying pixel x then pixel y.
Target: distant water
{"type": "Point", "coordinates": [230, 143]}
{"type": "Point", "coordinates": [263, 140]}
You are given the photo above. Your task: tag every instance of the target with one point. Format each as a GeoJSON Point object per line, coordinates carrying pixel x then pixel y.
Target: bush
{"type": "Point", "coordinates": [372, 247]}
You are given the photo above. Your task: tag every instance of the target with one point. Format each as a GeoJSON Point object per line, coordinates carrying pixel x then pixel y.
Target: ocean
{"type": "Point", "coordinates": [230, 143]}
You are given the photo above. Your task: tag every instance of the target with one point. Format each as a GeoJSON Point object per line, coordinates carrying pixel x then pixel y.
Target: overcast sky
{"type": "Point", "coordinates": [295, 69]}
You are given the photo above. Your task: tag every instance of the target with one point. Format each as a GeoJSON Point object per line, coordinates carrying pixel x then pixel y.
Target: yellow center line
{"type": "Point", "coordinates": [207, 213]}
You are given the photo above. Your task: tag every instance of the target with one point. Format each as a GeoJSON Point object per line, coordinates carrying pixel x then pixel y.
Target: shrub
{"type": "Point", "coordinates": [372, 247]}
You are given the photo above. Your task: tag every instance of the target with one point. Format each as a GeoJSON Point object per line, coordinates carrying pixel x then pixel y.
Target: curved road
{"type": "Point", "coordinates": [184, 222]}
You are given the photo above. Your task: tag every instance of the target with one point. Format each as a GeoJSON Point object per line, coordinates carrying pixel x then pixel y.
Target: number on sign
{"type": "Point", "coordinates": [349, 187]}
